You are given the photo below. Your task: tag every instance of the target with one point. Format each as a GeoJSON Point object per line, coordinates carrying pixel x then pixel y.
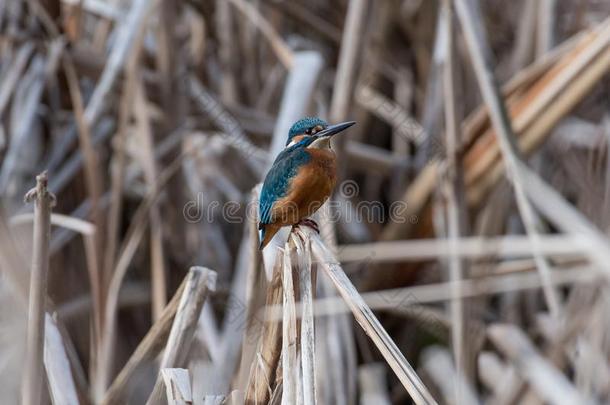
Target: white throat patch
{"type": "Point", "coordinates": [320, 143]}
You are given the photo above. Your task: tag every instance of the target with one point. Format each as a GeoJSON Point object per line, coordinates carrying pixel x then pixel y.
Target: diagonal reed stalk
{"type": "Point", "coordinates": [476, 42]}
{"type": "Point", "coordinates": [369, 322]}
{"type": "Point", "coordinates": [199, 283]}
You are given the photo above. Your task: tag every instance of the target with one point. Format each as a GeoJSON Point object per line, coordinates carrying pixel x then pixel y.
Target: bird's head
{"type": "Point", "coordinates": [314, 132]}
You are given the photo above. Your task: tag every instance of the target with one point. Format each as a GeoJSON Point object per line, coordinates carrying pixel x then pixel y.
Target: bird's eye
{"type": "Point", "coordinates": [308, 131]}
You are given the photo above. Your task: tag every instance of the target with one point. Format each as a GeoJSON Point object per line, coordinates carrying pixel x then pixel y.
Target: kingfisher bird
{"type": "Point", "coordinates": [301, 178]}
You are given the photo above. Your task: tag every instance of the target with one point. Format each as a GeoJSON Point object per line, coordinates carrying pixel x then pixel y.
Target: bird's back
{"type": "Point", "coordinates": [277, 183]}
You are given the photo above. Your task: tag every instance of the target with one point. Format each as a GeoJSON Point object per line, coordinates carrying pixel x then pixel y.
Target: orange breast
{"type": "Point", "coordinates": [310, 188]}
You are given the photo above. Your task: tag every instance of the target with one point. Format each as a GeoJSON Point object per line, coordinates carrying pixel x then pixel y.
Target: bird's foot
{"type": "Point", "coordinates": [310, 223]}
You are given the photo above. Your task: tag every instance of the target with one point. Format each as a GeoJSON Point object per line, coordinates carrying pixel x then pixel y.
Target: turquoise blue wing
{"type": "Point", "coordinates": [278, 180]}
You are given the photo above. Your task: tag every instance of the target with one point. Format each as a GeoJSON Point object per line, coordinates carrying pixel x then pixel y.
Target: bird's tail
{"type": "Point", "coordinates": [261, 236]}
{"type": "Point", "coordinates": [266, 232]}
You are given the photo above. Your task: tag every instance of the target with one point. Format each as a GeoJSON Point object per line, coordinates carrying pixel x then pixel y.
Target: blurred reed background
{"type": "Point", "coordinates": [472, 213]}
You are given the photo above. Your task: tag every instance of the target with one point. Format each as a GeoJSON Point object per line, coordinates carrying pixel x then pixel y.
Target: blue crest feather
{"type": "Point", "coordinates": [303, 125]}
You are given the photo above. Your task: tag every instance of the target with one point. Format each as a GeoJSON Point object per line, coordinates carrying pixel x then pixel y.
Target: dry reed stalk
{"type": "Point", "coordinates": [433, 103]}
{"type": "Point", "coordinates": [524, 47]}
{"type": "Point", "coordinates": [290, 375]}
{"type": "Point", "coordinates": [132, 240]}
{"type": "Point", "coordinates": [126, 34]}
{"type": "Point", "coordinates": [394, 114]}
{"type": "Point", "coordinates": [148, 348]}
{"type": "Point", "coordinates": [508, 246]}
{"type": "Point", "coordinates": [492, 370]}
{"type": "Point", "coordinates": [437, 292]}
{"type": "Point", "coordinates": [199, 283]}
{"type": "Point", "coordinates": [222, 118]}
{"type": "Point", "coordinates": [545, 26]}
{"type": "Point", "coordinates": [298, 90]}
{"type": "Point", "coordinates": [455, 388]}
{"type": "Point", "coordinates": [567, 218]}
{"type": "Point", "coordinates": [149, 167]}
{"type": "Point", "coordinates": [348, 54]}
{"type": "Point", "coordinates": [541, 96]}
{"type": "Point", "coordinates": [535, 134]}
{"type": "Point", "coordinates": [549, 382]}
{"type": "Point", "coordinates": [307, 286]}
{"type": "Point", "coordinates": [117, 170]}
{"type": "Point", "coordinates": [57, 365]}
{"type": "Point", "coordinates": [281, 49]}
{"type": "Point", "coordinates": [243, 289]}
{"type": "Point", "coordinates": [455, 210]}
{"type": "Point", "coordinates": [92, 173]}
{"type": "Point", "coordinates": [94, 188]}
{"type": "Point", "coordinates": [33, 377]}
{"type": "Point", "coordinates": [177, 386]}
{"type": "Point", "coordinates": [33, 81]}
{"type": "Point", "coordinates": [372, 382]}
{"type": "Point", "coordinates": [367, 320]}
{"type": "Point", "coordinates": [480, 55]}
{"type": "Point", "coordinates": [255, 298]}
{"type": "Point", "coordinates": [12, 75]}
{"type": "Point", "coordinates": [264, 367]}
{"type": "Point", "coordinates": [374, 158]}
{"type": "Point", "coordinates": [420, 190]}
{"type": "Point", "coordinates": [224, 28]}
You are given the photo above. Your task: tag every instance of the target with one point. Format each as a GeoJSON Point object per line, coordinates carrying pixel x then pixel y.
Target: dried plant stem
{"type": "Point", "coordinates": [33, 376]}
{"type": "Point", "coordinates": [177, 386]}
{"type": "Point", "coordinates": [290, 378]}
{"type": "Point", "coordinates": [94, 186]}
{"type": "Point", "coordinates": [454, 195]}
{"type": "Point", "coordinates": [281, 49]}
{"type": "Point", "coordinates": [59, 374]}
{"type": "Point", "coordinates": [367, 320]}
{"type": "Point", "coordinates": [132, 240]}
{"type": "Point", "coordinates": [199, 283]}
{"type": "Point", "coordinates": [148, 348]}
{"type": "Point", "coordinates": [151, 172]}
{"type": "Point", "coordinates": [479, 53]}
{"type": "Point", "coordinates": [546, 379]}
{"type": "Point", "coordinates": [307, 286]}
{"type": "Point", "coordinates": [350, 48]}
{"type": "Point", "coordinates": [264, 367]}
{"type": "Point", "coordinates": [467, 247]}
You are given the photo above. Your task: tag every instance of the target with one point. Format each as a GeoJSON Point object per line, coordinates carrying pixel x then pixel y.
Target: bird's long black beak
{"type": "Point", "coordinates": [334, 129]}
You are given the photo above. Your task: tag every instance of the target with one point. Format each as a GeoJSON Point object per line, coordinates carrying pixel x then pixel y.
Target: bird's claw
{"type": "Point", "coordinates": [310, 223]}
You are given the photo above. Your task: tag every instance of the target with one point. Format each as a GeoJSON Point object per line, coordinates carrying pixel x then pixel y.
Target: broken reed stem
{"type": "Point", "coordinates": [369, 323]}
{"type": "Point", "coordinates": [200, 281]}
{"type": "Point", "coordinates": [177, 383]}
{"type": "Point", "coordinates": [148, 348]}
{"type": "Point", "coordinates": [33, 374]}
{"type": "Point", "coordinates": [57, 365]}
{"type": "Point", "coordinates": [549, 382]}
{"type": "Point", "coordinates": [267, 356]}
